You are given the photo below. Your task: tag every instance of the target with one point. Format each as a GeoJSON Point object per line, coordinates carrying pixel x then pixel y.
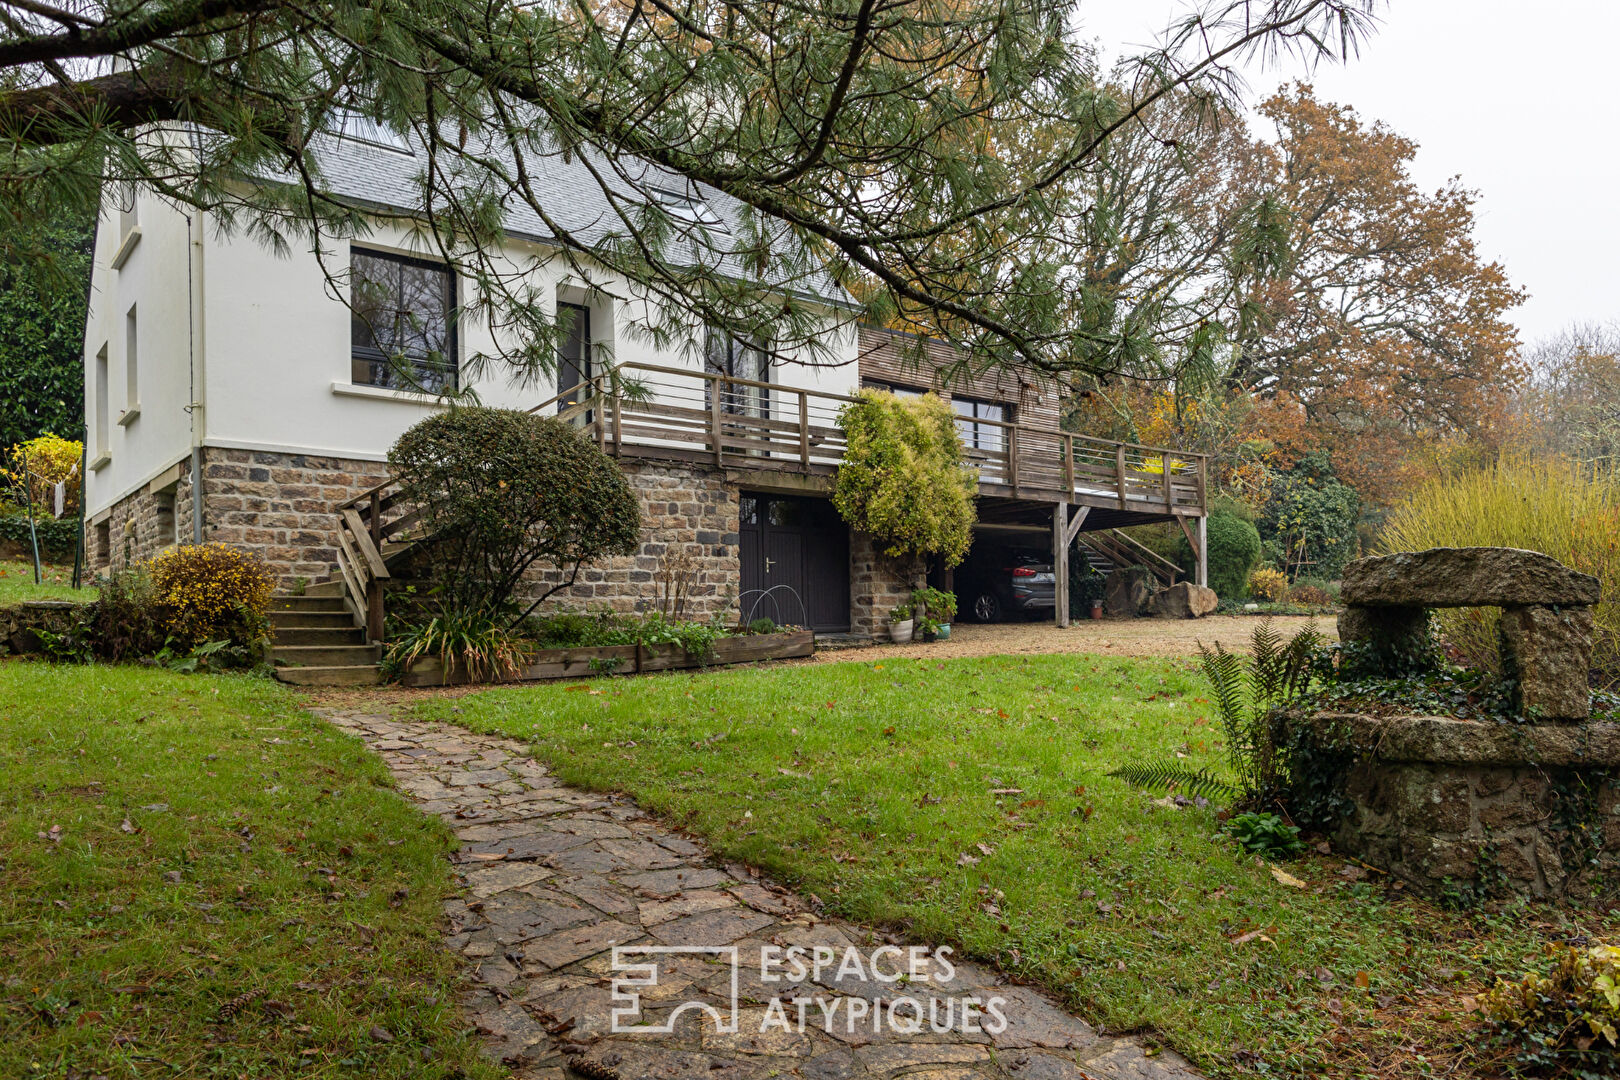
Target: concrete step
{"type": "Point", "coordinates": [316, 635]}
{"type": "Point", "coordinates": [325, 655]}
{"type": "Point", "coordinates": [323, 588]}
{"type": "Point", "coordinates": [283, 602]}
{"type": "Point", "coordinates": [322, 619]}
{"type": "Point", "coordinates": [332, 675]}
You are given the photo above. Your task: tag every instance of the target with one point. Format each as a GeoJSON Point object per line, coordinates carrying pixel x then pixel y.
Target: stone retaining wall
{"type": "Point", "coordinates": [1452, 805]}
{"type": "Point", "coordinates": [686, 510]}
{"type": "Point", "coordinates": [281, 505]}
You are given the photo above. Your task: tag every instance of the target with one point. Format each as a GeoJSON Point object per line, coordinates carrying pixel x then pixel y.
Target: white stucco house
{"type": "Point", "coordinates": [232, 395]}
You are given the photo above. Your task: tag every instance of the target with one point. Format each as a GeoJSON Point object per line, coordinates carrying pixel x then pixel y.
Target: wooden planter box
{"type": "Point", "coordinates": [585, 663]}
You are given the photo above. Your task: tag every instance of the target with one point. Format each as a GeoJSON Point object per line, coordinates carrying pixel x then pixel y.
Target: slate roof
{"type": "Point", "coordinates": [360, 167]}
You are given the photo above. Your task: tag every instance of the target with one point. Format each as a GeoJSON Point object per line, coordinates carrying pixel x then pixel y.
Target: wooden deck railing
{"type": "Point", "coordinates": [648, 410]}
{"type": "Point", "coordinates": [762, 425]}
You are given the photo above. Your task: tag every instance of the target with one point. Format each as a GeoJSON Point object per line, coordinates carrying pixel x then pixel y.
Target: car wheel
{"type": "Point", "coordinates": [986, 608]}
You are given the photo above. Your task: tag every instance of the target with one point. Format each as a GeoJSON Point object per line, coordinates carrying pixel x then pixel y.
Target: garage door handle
{"type": "Point", "coordinates": [768, 564]}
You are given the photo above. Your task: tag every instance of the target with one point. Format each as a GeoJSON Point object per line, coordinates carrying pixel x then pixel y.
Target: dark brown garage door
{"type": "Point", "coordinates": [795, 562]}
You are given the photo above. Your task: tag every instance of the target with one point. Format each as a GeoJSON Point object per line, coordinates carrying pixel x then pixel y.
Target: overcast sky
{"type": "Point", "coordinates": [1517, 99]}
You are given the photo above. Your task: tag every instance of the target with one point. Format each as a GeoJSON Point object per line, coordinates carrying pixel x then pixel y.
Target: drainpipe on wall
{"type": "Point", "coordinates": [194, 253]}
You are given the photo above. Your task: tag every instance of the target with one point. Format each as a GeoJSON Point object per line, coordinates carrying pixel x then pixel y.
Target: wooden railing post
{"type": "Point", "coordinates": [804, 428]}
{"type": "Point", "coordinates": [1067, 443]}
{"type": "Point", "coordinates": [715, 420]}
{"type": "Point", "coordinates": [618, 424]}
{"type": "Point", "coordinates": [1169, 496]}
{"type": "Point", "coordinates": [1203, 471]}
{"type": "Point", "coordinates": [1012, 457]}
{"type": "Point", "coordinates": [376, 619]}
{"type": "Point", "coordinates": [1119, 472]}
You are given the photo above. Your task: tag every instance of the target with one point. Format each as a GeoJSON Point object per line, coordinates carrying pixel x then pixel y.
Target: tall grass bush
{"type": "Point", "coordinates": [1545, 505]}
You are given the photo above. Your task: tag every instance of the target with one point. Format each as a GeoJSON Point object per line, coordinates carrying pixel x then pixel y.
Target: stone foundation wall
{"type": "Point", "coordinates": [142, 523]}
{"type": "Point", "coordinates": [281, 505]}
{"type": "Point", "coordinates": [1492, 809]}
{"type": "Point", "coordinates": [689, 529]}
{"type": "Point", "coordinates": [877, 584]}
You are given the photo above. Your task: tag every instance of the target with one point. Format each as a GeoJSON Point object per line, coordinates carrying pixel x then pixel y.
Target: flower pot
{"type": "Point", "coordinates": [944, 631]}
{"type": "Point", "coordinates": [1097, 611]}
{"type": "Point", "coordinates": [900, 632]}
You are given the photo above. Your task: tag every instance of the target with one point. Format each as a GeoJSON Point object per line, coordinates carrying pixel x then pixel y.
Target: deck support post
{"type": "Point", "coordinates": [1203, 551]}
{"type": "Point", "coordinates": [1060, 560]}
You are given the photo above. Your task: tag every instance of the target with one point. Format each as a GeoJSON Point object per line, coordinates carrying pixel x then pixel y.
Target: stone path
{"type": "Point", "coordinates": [556, 878]}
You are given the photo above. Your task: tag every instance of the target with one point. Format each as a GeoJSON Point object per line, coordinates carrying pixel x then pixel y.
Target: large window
{"type": "Point", "coordinates": [403, 329]}
{"type": "Point", "coordinates": [573, 354]}
{"type": "Point", "coordinates": [725, 355]}
{"type": "Point", "coordinates": [979, 436]}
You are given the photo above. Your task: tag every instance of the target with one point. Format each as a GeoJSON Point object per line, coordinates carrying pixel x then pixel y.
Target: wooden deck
{"type": "Point", "coordinates": [674, 413]}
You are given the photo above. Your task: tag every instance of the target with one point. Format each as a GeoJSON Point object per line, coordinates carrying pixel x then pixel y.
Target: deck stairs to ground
{"type": "Point", "coordinates": [1109, 549]}
{"type": "Point", "coordinates": [317, 640]}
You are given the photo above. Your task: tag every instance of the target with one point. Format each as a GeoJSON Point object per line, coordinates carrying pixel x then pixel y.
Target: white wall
{"type": "Point", "coordinates": [278, 357]}
{"type": "Point", "coordinates": [152, 278]}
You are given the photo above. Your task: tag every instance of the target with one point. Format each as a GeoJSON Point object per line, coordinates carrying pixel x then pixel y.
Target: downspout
{"type": "Point", "coordinates": [194, 356]}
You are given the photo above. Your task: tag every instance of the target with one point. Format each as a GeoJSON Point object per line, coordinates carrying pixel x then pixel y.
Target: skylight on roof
{"type": "Point", "coordinates": [360, 128]}
{"type": "Point", "coordinates": [684, 206]}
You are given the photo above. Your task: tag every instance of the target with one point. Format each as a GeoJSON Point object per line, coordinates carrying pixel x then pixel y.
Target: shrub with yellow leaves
{"type": "Point", "coordinates": [1268, 585]}
{"type": "Point", "coordinates": [50, 460]}
{"type": "Point", "coordinates": [212, 592]}
{"type": "Point", "coordinates": [1567, 1020]}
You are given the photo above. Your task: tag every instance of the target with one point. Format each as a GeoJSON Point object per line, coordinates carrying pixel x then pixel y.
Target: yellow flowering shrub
{"type": "Point", "coordinates": [212, 592]}
{"type": "Point", "coordinates": [1268, 585]}
{"type": "Point", "coordinates": [1568, 1017]}
{"type": "Point", "coordinates": [50, 460]}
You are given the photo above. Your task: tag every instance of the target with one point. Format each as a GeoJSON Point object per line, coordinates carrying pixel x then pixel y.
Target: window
{"type": "Point", "coordinates": [129, 214]}
{"type": "Point", "coordinates": [725, 355]}
{"type": "Point", "coordinates": [684, 206]}
{"type": "Point", "coordinates": [574, 354]}
{"type": "Point", "coordinates": [988, 437]}
{"type": "Point", "coordinates": [403, 329]}
{"type": "Point", "coordinates": [132, 396]}
{"type": "Point", "coordinates": [163, 506]}
{"type": "Point", "coordinates": [102, 441]}
{"type": "Point", "coordinates": [897, 391]}
{"type": "Point", "coordinates": [348, 124]}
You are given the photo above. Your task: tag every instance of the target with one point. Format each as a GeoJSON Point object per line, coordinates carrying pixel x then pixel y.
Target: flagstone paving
{"type": "Point", "coordinates": [557, 878]}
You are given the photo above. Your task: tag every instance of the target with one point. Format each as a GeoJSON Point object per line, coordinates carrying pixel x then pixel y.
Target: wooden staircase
{"type": "Point", "coordinates": [1109, 549]}
{"type": "Point", "coordinates": [317, 640]}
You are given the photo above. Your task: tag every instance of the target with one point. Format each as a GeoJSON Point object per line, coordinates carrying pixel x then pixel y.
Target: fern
{"type": "Point", "coordinates": [1165, 776]}
{"type": "Point", "coordinates": [1247, 692]}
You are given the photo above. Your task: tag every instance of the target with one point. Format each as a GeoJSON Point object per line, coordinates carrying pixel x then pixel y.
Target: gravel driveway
{"type": "Point", "coordinates": [1109, 637]}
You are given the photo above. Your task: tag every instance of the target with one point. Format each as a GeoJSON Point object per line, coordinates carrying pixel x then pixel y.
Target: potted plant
{"type": "Point", "coordinates": [1091, 590]}
{"type": "Point", "coordinates": [936, 607]}
{"type": "Point", "coordinates": [901, 625]}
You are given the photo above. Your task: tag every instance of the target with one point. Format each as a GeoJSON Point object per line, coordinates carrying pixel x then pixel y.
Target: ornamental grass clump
{"type": "Point", "coordinates": [212, 592]}
{"type": "Point", "coordinates": [1548, 505]}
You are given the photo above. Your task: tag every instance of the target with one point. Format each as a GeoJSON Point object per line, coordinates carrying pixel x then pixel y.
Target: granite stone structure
{"type": "Point", "coordinates": [1546, 635]}
{"type": "Point", "coordinates": [1450, 805]}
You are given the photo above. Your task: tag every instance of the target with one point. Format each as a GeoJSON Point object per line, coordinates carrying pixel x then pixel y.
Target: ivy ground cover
{"type": "Point", "coordinates": [969, 803]}
{"type": "Point", "coordinates": [202, 880]}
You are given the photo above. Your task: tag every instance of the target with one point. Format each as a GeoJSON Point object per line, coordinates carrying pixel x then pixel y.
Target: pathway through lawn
{"type": "Point", "coordinates": [557, 878]}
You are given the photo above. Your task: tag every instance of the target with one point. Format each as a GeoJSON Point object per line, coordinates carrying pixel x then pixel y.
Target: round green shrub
{"type": "Point", "coordinates": [1234, 548]}
{"type": "Point", "coordinates": [500, 492]}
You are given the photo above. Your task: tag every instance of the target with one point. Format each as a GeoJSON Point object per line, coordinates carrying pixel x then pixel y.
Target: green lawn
{"type": "Point", "coordinates": [967, 801]}
{"type": "Point", "coordinates": [17, 583]}
{"type": "Point", "coordinates": [171, 842]}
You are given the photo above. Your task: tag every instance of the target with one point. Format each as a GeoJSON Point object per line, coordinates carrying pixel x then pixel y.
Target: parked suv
{"type": "Point", "coordinates": [995, 581]}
